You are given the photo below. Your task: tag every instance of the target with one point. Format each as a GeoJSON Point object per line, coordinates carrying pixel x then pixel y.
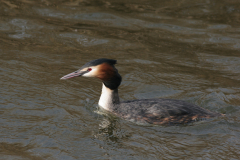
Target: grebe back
{"type": "Point", "coordinates": [144, 111]}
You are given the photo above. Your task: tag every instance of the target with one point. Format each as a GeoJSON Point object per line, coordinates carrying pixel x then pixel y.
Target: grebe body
{"type": "Point", "coordinates": [143, 111]}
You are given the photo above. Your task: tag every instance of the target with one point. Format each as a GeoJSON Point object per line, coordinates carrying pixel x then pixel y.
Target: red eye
{"type": "Point", "coordinates": [89, 69]}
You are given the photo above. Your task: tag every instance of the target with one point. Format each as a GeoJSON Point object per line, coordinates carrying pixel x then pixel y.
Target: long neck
{"type": "Point", "coordinates": [109, 98]}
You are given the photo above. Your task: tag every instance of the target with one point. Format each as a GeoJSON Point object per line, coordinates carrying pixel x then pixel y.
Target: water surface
{"type": "Point", "coordinates": [186, 50]}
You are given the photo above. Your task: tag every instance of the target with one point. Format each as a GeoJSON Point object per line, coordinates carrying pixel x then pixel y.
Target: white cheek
{"type": "Point", "coordinates": [92, 73]}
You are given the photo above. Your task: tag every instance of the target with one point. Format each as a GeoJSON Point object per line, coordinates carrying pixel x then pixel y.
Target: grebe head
{"type": "Point", "coordinates": [101, 68]}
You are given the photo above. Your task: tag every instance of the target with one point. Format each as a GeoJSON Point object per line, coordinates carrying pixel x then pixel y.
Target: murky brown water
{"type": "Point", "coordinates": [183, 49]}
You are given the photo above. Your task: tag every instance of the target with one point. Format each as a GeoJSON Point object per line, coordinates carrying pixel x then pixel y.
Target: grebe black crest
{"type": "Point", "coordinates": [143, 111]}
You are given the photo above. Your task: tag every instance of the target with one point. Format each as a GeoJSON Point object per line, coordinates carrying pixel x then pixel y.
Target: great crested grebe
{"type": "Point", "coordinates": [143, 111]}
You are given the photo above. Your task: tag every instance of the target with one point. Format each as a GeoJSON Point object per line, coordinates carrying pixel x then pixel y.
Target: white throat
{"type": "Point", "coordinates": [108, 98]}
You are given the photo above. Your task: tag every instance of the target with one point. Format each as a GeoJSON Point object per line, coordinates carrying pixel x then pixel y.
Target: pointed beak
{"type": "Point", "coordinates": [73, 74]}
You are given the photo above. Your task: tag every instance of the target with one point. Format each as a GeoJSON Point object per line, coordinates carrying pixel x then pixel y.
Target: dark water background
{"type": "Point", "coordinates": [185, 49]}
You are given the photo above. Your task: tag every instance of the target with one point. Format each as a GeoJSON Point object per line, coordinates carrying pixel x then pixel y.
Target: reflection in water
{"type": "Point", "coordinates": [109, 130]}
{"type": "Point", "coordinates": [186, 50]}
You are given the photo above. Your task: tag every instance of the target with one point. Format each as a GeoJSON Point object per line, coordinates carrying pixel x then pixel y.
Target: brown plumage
{"type": "Point", "coordinates": [105, 72]}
